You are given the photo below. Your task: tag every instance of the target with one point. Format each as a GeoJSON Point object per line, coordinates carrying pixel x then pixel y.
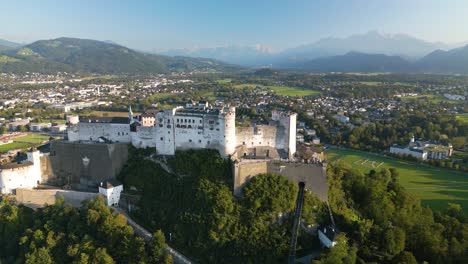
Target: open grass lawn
{"type": "Point", "coordinates": [24, 142]}
{"type": "Point", "coordinates": [32, 138]}
{"type": "Point", "coordinates": [371, 83]}
{"type": "Point", "coordinates": [403, 84]}
{"type": "Point", "coordinates": [281, 90]}
{"type": "Point", "coordinates": [293, 91]}
{"type": "Point", "coordinates": [223, 81]}
{"type": "Point", "coordinates": [433, 186]}
{"type": "Point", "coordinates": [463, 117]}
{"type": "Point", "coordinates": [102, 77]}
{"type": "Point", "coordinates": [431, 98]}
{"type": "Point", "coordinates": [15, 145]}
{"type": "Point", "coordinates": [246, 85]}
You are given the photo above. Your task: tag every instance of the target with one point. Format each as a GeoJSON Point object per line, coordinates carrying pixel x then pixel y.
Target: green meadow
{"type": "Point", "coordinates": [433, 186]}
{"type": "Point", "coordinates": [463, 117]}
{"type": "Point", "coordinates": [24, 142]}
{"type": "Point", "coordinates": [281, 90]}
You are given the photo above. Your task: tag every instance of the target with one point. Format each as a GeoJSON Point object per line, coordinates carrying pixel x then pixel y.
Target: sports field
{"type": "Point", "coordinates": [435, 187]}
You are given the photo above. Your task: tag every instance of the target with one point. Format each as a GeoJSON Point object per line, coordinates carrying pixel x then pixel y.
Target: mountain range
{"type": "Point", "coordinates": [370, 52]}
{"type": "Point", "coordinates": [91, 56]}
{"type": "Point", "coordinates": [372, 42]}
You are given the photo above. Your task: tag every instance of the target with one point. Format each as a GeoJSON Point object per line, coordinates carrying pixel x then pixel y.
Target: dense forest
{"type": "Point", "coordinates": [61, 234]}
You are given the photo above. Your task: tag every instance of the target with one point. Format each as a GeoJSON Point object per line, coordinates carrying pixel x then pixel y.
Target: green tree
{"type": "Point", "coordinates": [404, 257]}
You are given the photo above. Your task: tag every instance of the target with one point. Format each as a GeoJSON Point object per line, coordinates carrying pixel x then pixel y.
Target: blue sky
{"type": "Point", "coordinates": [159, 25]}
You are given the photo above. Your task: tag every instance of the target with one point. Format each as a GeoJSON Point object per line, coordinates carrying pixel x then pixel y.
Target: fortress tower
{"type": "Point", "coordinates": [230, 131]}
{"type": "Point", "coordinates": [288, 121]}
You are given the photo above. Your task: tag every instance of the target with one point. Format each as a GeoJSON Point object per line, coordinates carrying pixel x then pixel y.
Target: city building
{"type": "Point", "coordinates": [424, 150]}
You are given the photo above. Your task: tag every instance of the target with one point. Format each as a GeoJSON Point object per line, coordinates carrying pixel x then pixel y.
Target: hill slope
{"type": "Point", "coordinates": [356, 62]}
{"type": "Point", "coordinates": [83, 55]}
{"type": "Point", "coordinates": [439, 61]}
{"type": "Point", "coordinates": [6, 45]}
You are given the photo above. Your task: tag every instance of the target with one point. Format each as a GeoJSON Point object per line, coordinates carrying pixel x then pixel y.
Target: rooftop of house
{"type": "Point", "coordinates": [111, 183]}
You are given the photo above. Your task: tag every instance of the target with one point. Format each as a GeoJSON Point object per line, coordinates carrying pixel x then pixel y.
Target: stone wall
{"type": "Point", "coordinates": [41, 198]}
{"type": "Point", "coordinates": [244, 171]}
{"type": "Point", "coordinates": [313, 175]}
{"type": "Point", "coordinates": [84, 163]}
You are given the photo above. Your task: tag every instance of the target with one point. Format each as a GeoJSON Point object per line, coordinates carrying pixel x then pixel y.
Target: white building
{"type": "Point", "coordinates": [197, 126]}
{"type": "Point", "coordinates": [111, 189]}
{"type": "Point", "coordinates": [21, 175]}
{"type": "Point", "coordinates": [59, 128]}
{"type": "Point", "coordinates": [38, 127]}
{"type": "Point", "coordinates": [73, 119]}
{"type": "Point", "coordinates": [424, 150]}
{"type": "Point", "coordinates": [13, 126]}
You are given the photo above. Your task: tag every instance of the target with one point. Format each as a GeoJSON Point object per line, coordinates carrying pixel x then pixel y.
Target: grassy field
{"type": "Point", "coordinates": [435, 187]}
{"type": "Point", "coordinates": [431, 98]}
{"type": "Point", "coordinates": [223, 81]}
{"type": "Point", "coordinates": [163, 95]}
{"type": "Point", "coordinates": [281, 90]}
{"type": "Point", "coordinates": [24, 142]}
{"type": "Point", "coordinates": [463, 117]}
{"type": "Point", "coordinates": [102, 77]}
{"type": "Point", "coordinates": [293, 91]}
{"type": "Point", "coordinates": [371, 83]}
{"type": "Point", "coordinates": [246, 85]}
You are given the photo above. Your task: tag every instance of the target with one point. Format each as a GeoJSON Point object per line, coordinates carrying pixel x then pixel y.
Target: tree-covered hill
{"type": "Point", "coordinates": [84, 55]}
{"type": "Point", "coordinates": [207, 222]}
{"type": "Point", "coordinates": [62, 234]}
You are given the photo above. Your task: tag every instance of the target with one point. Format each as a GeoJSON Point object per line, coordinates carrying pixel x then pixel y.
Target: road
{"type": "Point", "coordinates": [140, 231]}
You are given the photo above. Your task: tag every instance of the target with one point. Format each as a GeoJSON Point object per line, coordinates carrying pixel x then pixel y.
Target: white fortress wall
{"type": "Point", "coordinates": [195, 127]}
{"type": "Point", "coordinates": [257, 136]}
{"type": "Point", "coordinates": [26, 175]}
{"type": "Point", "coordinates": [144, 137]}
{"type": "Point", "coordinates": [230, 131]}
{"type": "Point", "coordinates": [93, 131]}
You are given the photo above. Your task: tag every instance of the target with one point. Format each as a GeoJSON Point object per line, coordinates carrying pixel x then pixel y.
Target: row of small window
{"type": "Point", "coordinates": [187, 121]}
{"type": "Point", "coordinates": [161, 121]}
{"type": "Point", "coordinates": [121, 134]}
{"type": "Point", "coordinates": [243, 143]}
{"type": "Point", "coordinates": [190, 141]}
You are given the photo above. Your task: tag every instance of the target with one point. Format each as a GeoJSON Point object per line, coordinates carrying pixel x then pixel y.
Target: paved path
{"type": "Point", "coordinates": [140, 231]}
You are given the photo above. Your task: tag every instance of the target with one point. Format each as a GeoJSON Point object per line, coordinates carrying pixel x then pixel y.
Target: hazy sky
{"type": "Point", "coordinates": [158, 25]}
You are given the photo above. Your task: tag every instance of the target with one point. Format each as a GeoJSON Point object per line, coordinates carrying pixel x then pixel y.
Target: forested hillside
{"type": "Point", "coordinates": [62, 234]}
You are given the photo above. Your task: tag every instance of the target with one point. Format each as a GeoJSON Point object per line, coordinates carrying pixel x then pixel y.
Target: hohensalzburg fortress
{"type": "Point", "coordinates": [198, 125]}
